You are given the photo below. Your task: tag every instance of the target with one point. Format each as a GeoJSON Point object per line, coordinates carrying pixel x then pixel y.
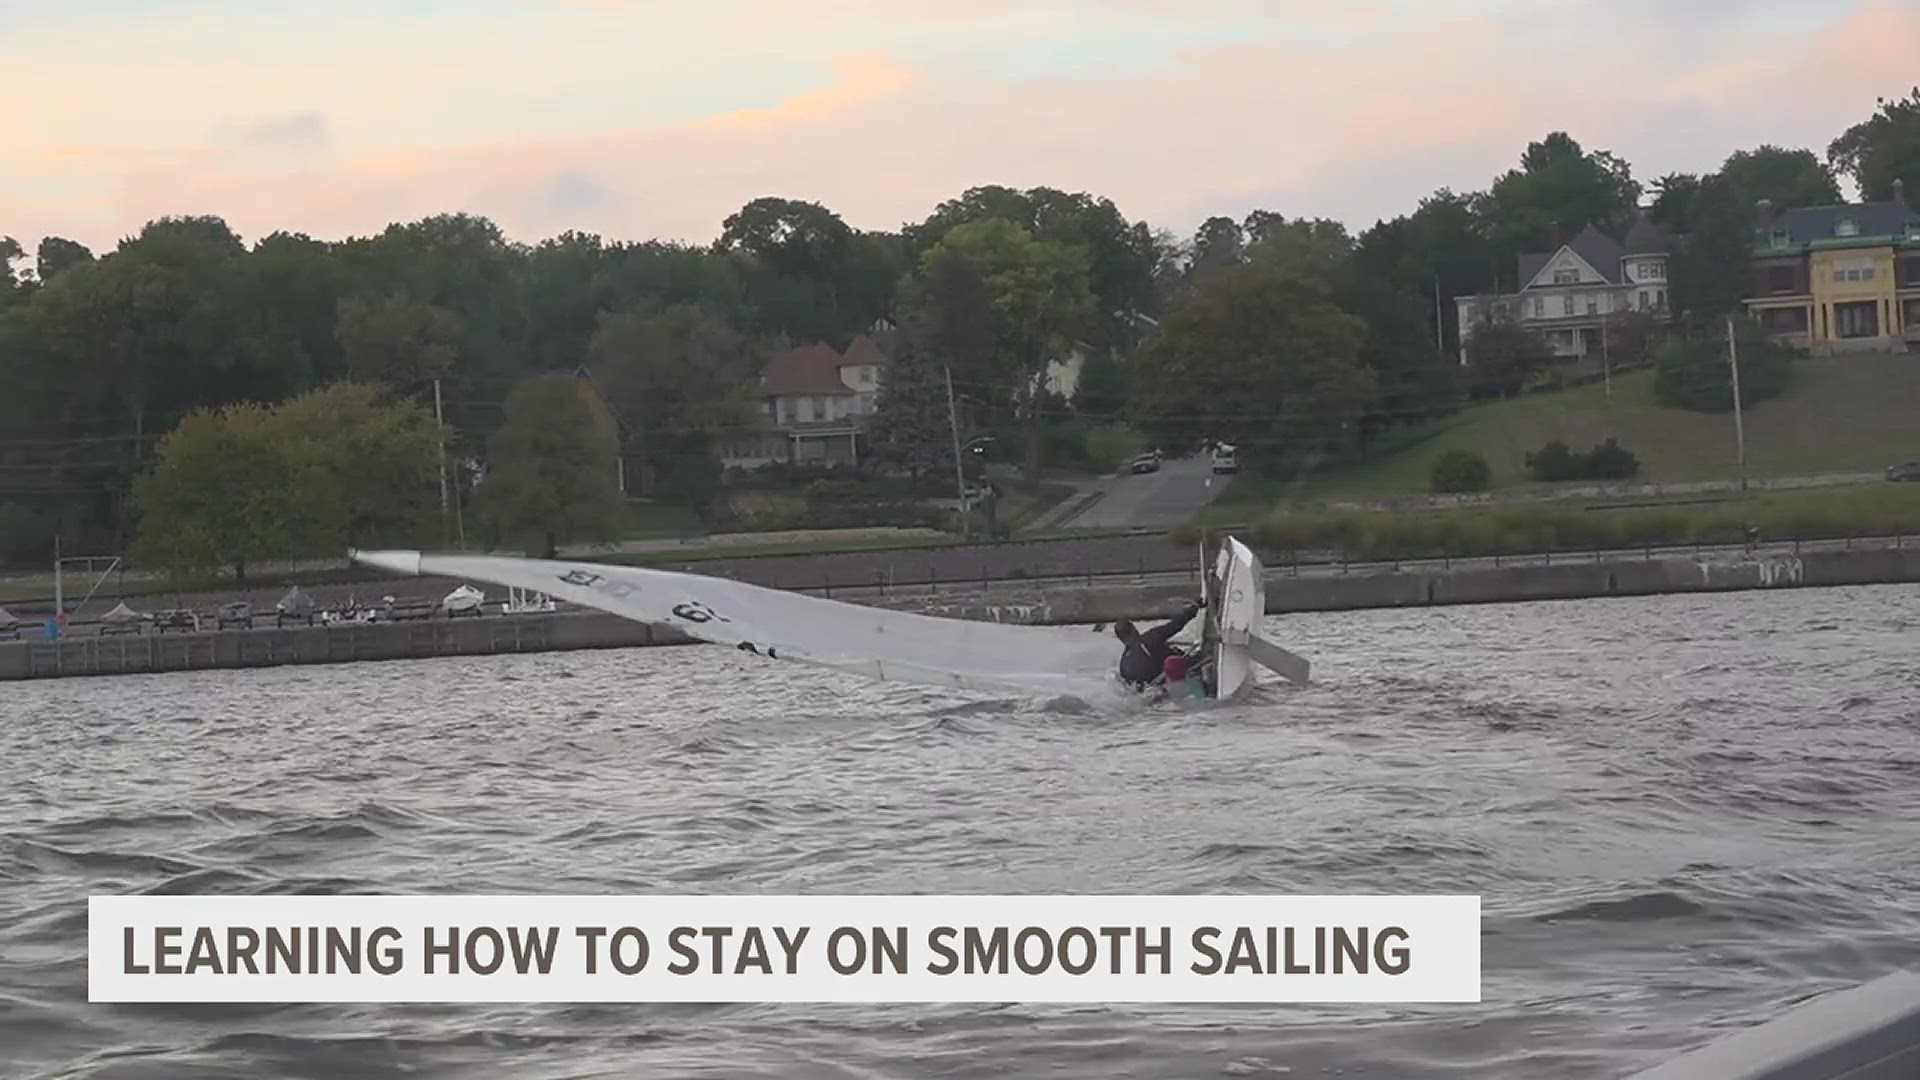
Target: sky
{"type": "Point", "coordinates": [655, 119]}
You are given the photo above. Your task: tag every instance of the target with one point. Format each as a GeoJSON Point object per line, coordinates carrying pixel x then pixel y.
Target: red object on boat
{"type": "Point", "coordinates": [1174, 668]}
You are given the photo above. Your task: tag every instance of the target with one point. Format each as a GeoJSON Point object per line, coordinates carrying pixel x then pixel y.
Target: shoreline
{"type": "Point", "coordinates": [1049, 602]}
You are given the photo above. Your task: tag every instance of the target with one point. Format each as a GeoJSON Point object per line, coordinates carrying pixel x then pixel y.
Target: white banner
{"type": "Point", "coordinates": [783, 948]}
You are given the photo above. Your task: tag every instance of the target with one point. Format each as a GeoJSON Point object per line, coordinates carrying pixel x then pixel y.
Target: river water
{"type": "Point", "coordinates": [1684, 815]}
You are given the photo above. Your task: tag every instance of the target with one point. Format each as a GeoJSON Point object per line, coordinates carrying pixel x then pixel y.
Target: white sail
{"type": "Point", "coordinates": [875, 642]}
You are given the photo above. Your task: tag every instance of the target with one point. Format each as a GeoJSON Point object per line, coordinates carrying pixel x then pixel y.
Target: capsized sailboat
{"type": "Point", "coordinates": [874, 642]}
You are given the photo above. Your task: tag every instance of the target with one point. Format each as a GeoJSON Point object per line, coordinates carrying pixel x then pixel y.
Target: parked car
{"type": "Point", "coordinates": [1225, 459]}
{"type": "Point", "coordinates": [1144, 463]}
{"type": "Point", "coordinates": [1906, 471]}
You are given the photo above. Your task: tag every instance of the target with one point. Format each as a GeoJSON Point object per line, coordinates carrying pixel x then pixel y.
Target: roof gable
{"type": "Point", "coordinates": [811, 369]}
{"type": "Point", "coordinates": [864, 350]}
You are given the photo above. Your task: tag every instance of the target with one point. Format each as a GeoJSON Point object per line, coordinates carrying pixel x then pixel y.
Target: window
{"type": "Point", "coordinates": [1846, 227]}
{"type": "Point", "coordinates": [805, 410]}
{"type": "Point", "coordinates": [1866, 273]}
{"type": "Point", "coordinates": [1643, 300]}
{"type": "Point", "coordinates": [1566, 305]}
{"type": "Point", "coordinates": [1785, 320]}
{"type": "Point", "coordinates": [1857, 320]}
{"type": "Point", "coordinates": [1566, 277]}
{"type": "Point", "coordinates": [786, 411]}
{"type": "Point", "coordinates": [1539, 307]}
{"type": "Point", "coordinates": [1593, 305]}
{"type": "Point", "coordinates": [1657, 271]}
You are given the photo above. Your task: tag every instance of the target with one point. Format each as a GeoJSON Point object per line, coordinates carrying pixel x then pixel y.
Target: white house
{"type": "Point", "coordinates": [1566, 294]}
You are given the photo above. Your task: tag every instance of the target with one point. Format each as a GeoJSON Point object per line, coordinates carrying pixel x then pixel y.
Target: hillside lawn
{"type": "Point", "coordinates": [1843, 414]}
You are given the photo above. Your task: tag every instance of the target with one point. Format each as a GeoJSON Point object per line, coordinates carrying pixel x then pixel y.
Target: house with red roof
{"type": "Point", "coordinates": [815, 401]}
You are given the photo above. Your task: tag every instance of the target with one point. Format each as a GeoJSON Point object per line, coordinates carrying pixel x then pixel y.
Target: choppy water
{"type": "Point", "coordinates": [1684, 814]}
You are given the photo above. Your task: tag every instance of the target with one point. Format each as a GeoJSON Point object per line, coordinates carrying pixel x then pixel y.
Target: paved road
{"type": "Point", "coordinates": [1160, 499]}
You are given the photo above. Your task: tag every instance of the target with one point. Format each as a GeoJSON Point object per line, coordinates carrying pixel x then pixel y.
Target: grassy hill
{"type": "Point", "coordinates": [1844, 414]}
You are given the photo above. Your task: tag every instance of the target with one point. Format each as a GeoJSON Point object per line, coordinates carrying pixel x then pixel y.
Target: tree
{"type": "Point", "coordinates": [1694, 371]}
{"type": "Point", "coordinates": [1502, 355]}
{"type": "Point", "coordinates": [1709, 274]}
{"type": "Point", "coordinates": [372, 461]}
{"type": "Point", "coordinates": [1038, 304]}
{"type": "Point", "coordinates": [553, 472]}
{"type": "Point", "coordinates": [1883, 148]}
{"type": "Point", "coordinates": [911, 430]}
{"type": "Point", "coordinates": [1559, 187]}
{"type": "Point", "coordinates": [1102, 390]}
{"type": "Point", "coordinates": [398, 342]}
{"type": "Point", "coordinates": [1789, 179]}
{"type": "Point", "coordinates": [812, 275]}
{"type": "Point", "coordinates": [56, 255]}
{"type": "Point", "coordinates": [1257, 356]}
{"type": "Point", "coordinates": [1122, 257]}
{"type": "Point", "coordinates": [682, 380]}
{"type": "Point", "coordinates": [226, 493]}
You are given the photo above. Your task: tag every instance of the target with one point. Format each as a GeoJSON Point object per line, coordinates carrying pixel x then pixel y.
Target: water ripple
{"type": "Point", "coordinates": [1683, 814]}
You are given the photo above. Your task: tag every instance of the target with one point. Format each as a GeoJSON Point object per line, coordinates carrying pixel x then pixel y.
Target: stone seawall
{"type": "Point", "coordinates": [1039, 603]}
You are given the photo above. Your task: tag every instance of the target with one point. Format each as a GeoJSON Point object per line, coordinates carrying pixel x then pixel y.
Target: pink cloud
{"type": "Point", "coordinates": [1352, 132]}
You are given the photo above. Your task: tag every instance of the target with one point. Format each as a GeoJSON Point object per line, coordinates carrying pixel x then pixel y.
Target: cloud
{"type": "Point", "coordinates": [300, 131]}
{"type": "Point", "coordinates": [1354, 128]}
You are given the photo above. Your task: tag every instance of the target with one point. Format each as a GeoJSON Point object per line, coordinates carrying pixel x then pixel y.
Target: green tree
{"type": "Point", "coordinates": [1122, 256]}
{"type": "Point", "coordinates": [226, 493]}
{"type": "Point", "coordinates": [56, 255]}
{"type": "Point", "coordinates": [1257, 356]}
{"type": "Point", "coordinates": [1694, 371]}
{"type": "Point", "coordinates": [554, 467]}
{"type": "Point", "coordinates": [1040, 305]}
{"type": "Point", "coordinates": [911, 430]}
{"type": "Point", "coordinates": [1502, 355]}
{"type": "Point", "coordinates": [1883, 148]}
{"type": "Point", "coordinates": [682, 380]}
{"type": "Point", "coordinates": [1709, 274]}
{"type": "Point", "coordinates": [371, 462]}
{"type": "Point", "coordinates": [1559, 186]}
{"type": "Point", "coordinates": [1102, 390]}
{"type": "Point", "coordinates": [811, 275]}
{"type": "Point", "coordinates": [397, 342]}
{"type": "Point", "coordinates": [1789, 179]}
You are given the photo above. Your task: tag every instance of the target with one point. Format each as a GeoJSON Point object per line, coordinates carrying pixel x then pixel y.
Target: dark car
{"type": "Point", "coordinates": [1908, 471]}
{"type": "Point", "coordinates": [1145, 463]}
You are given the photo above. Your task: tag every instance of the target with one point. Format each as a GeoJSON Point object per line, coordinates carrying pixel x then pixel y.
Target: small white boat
{"type": "Point", "coordinates": [465, 600]}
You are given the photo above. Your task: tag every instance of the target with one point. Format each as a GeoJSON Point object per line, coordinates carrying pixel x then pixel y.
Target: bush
{"type": "Point", "coordinates": [1693, 372]}
{"type": "Point", "coordinates": [1611, 461]}
{"type": "Point", "coordinates": [1555, 462]}
{"type": "Point", "coordinates": [1461, 470]}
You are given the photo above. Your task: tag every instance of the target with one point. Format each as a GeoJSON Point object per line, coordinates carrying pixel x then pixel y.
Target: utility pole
{"type": "Point", "coordinates": [440, 419]}
{"type": "Point", "coordinates": [959, 476]}
{"type": "Point", "coordinates": [1606, 357]}
{"type": "Point", "coordinates": [1739, 426]}
{"type": "Point", "coordinates": [1439, 323]}
{"type": "Point", "coordinates": [59, 595]}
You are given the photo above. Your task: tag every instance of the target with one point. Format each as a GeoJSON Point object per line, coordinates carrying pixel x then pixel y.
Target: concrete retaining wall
{"type": "Point", "coordinates": [1048, 604]}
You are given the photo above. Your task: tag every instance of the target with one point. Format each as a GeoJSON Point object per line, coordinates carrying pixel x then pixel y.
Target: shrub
{"type": "Point", "coordinates": [1555, 462]}
{"type": "Point", "coordinates": [1611, 461]}
{"type": "Point", "coordinates": [1461, 470]}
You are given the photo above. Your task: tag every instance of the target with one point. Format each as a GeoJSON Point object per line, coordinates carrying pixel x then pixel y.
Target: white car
{"type": "Point", "coordinates": [1225, 459]}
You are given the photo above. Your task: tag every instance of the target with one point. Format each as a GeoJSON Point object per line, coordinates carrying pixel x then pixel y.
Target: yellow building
{"type": "Point", "coordinates": [1840, 278]}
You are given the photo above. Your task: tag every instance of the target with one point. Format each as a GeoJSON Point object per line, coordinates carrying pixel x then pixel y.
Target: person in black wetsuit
{"type": "Point", "coordinates": [1146, 652]}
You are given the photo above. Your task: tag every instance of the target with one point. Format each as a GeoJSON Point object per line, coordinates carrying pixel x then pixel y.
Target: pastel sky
{"type": "Point", "coordinates": [657, 118]}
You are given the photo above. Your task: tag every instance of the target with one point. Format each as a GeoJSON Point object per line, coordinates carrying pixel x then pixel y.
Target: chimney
{"type": "Point", "coordinates": [1766, 212]}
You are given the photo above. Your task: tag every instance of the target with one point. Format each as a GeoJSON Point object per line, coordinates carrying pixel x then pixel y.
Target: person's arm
{"type": "Point", "coordinates": [1158, 636]}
